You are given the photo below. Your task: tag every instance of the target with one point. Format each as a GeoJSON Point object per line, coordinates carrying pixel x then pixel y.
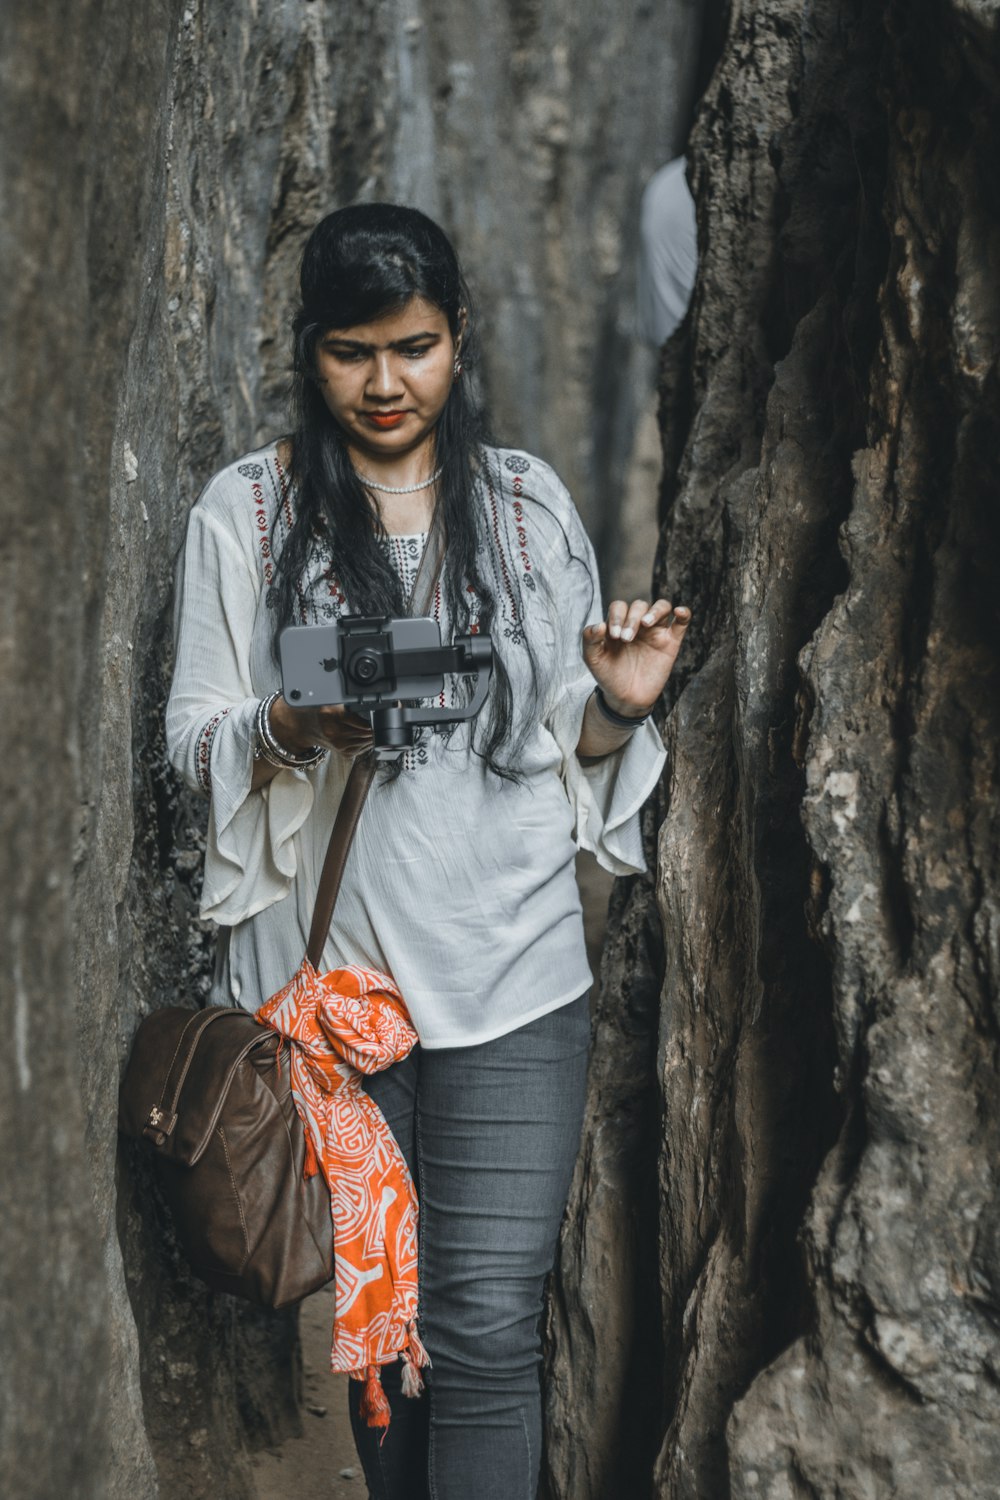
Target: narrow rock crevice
{"type": "Point", "coordinates": [779, 1270]}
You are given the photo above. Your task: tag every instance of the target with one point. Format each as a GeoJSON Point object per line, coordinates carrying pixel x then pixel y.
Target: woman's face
{"type": "Point", "coordinates": [387, 382]}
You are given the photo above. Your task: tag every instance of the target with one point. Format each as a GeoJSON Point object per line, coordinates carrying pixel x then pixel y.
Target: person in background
{"type": "Point", "coordinates": [668, 252]}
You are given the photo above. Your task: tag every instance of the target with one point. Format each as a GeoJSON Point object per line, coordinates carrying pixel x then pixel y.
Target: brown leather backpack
{"type": "Point", "coordinates": [209, 1092]}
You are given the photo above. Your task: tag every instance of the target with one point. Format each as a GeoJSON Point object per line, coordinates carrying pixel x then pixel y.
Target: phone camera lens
{"type": "Point", "coordinates": [365, 666]}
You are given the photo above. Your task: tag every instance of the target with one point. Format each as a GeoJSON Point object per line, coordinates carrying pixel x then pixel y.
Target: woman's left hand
{"type": "Point", "coordinates": [632, 653]}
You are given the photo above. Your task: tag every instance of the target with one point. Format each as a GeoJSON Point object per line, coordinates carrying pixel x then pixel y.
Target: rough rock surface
{"type": "Point", "coordinates": [162, 164]}
{"type": "Point", "coordinates": [805, 1010]}
{"type": "Point", "coordinates": [780, 1274]}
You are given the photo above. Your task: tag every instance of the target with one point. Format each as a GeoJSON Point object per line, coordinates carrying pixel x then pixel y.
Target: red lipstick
{"type": "Point", "coordinates": [385, 418]}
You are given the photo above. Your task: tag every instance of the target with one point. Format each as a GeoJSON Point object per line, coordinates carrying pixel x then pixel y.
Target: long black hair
{"type": "Point", "coordinates": [360, 263]}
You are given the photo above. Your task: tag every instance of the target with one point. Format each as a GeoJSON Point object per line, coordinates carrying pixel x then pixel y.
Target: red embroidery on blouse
{"type": "Point", "coordinates": [285, 496]}
{"type": "Point", "coordinates": [501, 557]}
{"type": "Point", "coordinates": [203, 753]}
{"type": "Point", "coordinates": [263, 536]}
{"type": "Point", "coordinates": [522, 535]}
{"type": "Point", "coordinates": [437, 616]}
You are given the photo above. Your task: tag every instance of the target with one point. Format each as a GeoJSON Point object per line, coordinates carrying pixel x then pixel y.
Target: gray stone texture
{"type": "Point", "coordinates": [161, 166]}
{"type": "Point", "coordinates": [780, 1272]}
{"type": "Point", "coordinates": [794, 1112]}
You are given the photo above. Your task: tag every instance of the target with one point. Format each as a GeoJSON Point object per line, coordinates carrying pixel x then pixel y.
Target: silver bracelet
{"type": "Point", "coordinates": [267, 747]}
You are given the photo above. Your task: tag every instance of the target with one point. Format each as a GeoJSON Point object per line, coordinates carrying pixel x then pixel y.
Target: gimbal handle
{"type": "Point", "coordinates": [393, 723]}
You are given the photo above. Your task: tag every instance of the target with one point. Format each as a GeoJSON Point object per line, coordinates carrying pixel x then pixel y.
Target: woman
{"type": "Point", "coordinates": [460, 883]}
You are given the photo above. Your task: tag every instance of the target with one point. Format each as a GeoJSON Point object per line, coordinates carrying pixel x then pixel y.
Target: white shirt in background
{"type": "Point", "coordinates": [668, 252]}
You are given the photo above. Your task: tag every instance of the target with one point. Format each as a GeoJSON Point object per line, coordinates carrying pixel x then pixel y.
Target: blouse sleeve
{"type": "Point", "coordinates": [606, 794]}
{"type": "Point", "coordinates": [249, 857]}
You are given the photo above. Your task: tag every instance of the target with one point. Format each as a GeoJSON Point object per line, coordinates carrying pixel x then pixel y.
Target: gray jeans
{"type": "Point", "coordinates": [490, 1134]}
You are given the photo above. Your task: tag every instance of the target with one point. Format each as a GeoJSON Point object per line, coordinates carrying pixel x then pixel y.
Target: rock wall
{"type": "Point", "coordinates": [162, 165]}
{"type": "Point", "coordinates": [779, 1274]}
{"type": "Point", "coordinates": [780, 1271]}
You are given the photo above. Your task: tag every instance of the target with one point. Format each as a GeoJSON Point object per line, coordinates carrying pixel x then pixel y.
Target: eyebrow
{"type": "Point", "coordinates": [412, 338]}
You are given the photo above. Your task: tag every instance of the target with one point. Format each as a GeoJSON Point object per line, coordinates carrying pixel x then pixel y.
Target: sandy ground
{"type": "Point", "coordinates": [322, 1464]}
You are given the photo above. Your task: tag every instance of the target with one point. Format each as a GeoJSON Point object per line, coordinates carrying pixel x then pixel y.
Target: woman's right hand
{"type": "Point", "coordinates": [335, 726]}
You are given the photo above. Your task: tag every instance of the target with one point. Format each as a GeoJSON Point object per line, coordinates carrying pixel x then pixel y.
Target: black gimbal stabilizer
{"type": "Point", "coordinates": [373, 663]}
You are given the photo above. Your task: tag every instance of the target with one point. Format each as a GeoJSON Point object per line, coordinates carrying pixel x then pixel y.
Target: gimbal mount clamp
{"type": "Point", "coordinates": [371, 668]}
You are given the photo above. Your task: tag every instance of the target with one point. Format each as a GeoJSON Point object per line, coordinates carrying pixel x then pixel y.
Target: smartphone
{"type": "Point", "coordinates": [324, 664]}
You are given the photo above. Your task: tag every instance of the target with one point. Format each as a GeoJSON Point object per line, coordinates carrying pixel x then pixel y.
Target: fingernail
{"type": "Point", "coordinates": [615, 630]}
{"type": "Point", "coordinates": [647, 619]}
{"type": "Point", "coordinates": [627, 634]}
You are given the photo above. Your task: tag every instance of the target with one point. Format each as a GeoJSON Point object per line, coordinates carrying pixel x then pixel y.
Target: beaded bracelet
{"type": "Point", "coordinates": [619, 720]}
{"type": "Point", "coordinates": [267, 747]}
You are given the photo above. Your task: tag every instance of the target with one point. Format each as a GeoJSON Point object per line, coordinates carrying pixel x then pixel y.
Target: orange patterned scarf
{"type": "Point", "coordinates": [342, 1024]}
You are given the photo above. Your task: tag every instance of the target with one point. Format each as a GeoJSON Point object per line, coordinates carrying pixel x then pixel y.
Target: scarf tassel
{"type": "Point", "coordinates": [374, 1401]}
{"type": "Point", "coordinates": [374, 1405]}
{"type": "Point", "coordinates": [310, 1162]}
{"type": "Point", "coordinates": [413, 1357]}
{"type": "Point", "coordinates": [415, 1348]}
{"type": "Point", "coordinates": [413, 1384]}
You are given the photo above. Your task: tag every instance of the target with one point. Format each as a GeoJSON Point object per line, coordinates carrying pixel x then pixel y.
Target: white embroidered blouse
{"type": "Point", "coordinates": [459, 885]}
